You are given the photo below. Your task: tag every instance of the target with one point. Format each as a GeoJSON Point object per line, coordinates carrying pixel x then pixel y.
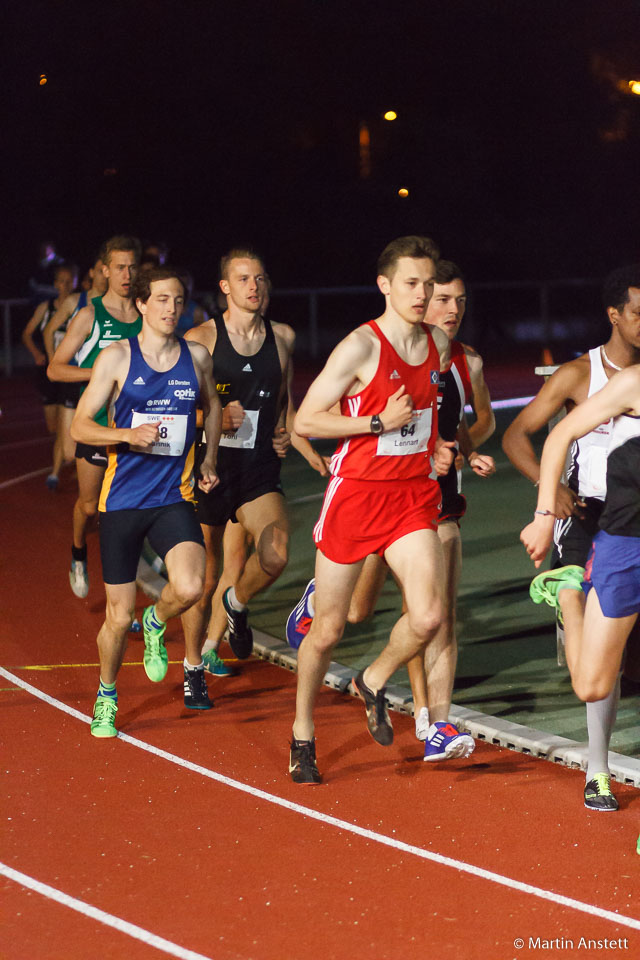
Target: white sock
{"type": "Point", "coordinates": [208, 645]}
{"type": "Point", "coordinates": [191, 666]}
{"type": "Point", "coordinates": [601, 718]}
{"type": "Point", "coordinates": [233, 601]}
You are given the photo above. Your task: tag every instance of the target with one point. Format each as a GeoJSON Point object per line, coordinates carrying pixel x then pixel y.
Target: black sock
{"type": "Point", "coordinates": [79, 553]}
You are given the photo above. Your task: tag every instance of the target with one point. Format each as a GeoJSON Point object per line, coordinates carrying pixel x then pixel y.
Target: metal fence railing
{"type": "Point", "coordinates": [503, 317]}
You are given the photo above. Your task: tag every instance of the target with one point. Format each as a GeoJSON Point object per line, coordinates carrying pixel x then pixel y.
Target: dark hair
{"type": "Point", "coordinates": [238, 253]}
{"type": "Point", "coordinates": [119, 243]}
{"type": "Point", "coordinates": [447, 271]}
{"type": "Point", "coordinates": [144, 279]}
{"type": "Point", "coordinates": [149, 258]}
{"type": "Point", "coordinates": [419, 248]}
{"type": "Point", "coordinates": [65, 268]}
{"type": "Point", "coordinates": [615, 288]}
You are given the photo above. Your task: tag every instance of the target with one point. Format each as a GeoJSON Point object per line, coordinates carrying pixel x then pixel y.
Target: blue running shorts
{"type": "Point", "coordinates": [613, 569]}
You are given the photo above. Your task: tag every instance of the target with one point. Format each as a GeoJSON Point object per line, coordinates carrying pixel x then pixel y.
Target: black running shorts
{"type": "Point", "coordinates": [215, 508]}
{"type": "Point", "coordinates": [123, 532]}
{"type": "Point", "coordinates": [94, 455]}
{"type": "Point", "coordinates": [572, 538]}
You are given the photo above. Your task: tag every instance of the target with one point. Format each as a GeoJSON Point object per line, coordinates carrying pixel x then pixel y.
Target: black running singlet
{"type": "Point", "coordinates": [255, 383]}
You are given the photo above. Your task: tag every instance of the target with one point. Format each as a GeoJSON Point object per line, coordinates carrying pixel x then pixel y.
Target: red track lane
{"type": "Point", "coordinates": [230, 875]}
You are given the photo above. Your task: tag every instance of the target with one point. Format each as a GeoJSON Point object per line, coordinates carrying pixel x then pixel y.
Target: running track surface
{"type": "Point", "coordinates": [192, 859]}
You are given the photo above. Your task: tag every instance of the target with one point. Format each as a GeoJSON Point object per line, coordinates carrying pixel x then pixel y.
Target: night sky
{"type": "Point", "coordinates": [210, 123]}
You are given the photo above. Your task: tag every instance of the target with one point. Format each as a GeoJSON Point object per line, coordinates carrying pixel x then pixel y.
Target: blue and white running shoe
{"type": "Point", "coordinates": [300, 618]}
{"type": "Point", "coordinates": [444, 742]}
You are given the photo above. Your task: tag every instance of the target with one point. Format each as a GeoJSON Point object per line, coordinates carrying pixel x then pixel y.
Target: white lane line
{"type": "Point", "coordinates": [380, 838]}
{"type": "Point", "coordinates": [117, 923]}
{"type": "Point", "coordinates": [25, 476]}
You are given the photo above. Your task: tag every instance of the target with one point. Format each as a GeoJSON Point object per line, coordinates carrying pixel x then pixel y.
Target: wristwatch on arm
{"type": "Point", "coordinates": [376, 427]}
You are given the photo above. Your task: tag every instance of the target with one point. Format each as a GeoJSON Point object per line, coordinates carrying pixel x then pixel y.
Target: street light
{"type": "Point", "coordinates": [390, 115]}
{"type": "Point", "coordinates": [634, 86]}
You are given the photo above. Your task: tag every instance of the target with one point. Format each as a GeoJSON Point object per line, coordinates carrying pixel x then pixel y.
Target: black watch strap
{"type": "Point", "coordinates": [376, 425]}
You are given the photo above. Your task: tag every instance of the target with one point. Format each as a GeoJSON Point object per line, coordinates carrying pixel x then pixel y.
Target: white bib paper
{"type": "Point", "coordinates": [172, 433]}
{"type": "Point", "coordinates": [412, 438]}
{"type": "Point", "coordinates": [244, 438]}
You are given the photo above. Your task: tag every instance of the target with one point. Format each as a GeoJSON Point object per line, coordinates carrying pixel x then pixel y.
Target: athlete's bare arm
{"type": "Point", "coordinates": [27, 335]}
{"type": "Point", "coordinates": [285, 341]}
{"type": "Point", "coordinates": [60, 317]}
{"type": "Point", "coordinates": [212, 412]}
{"type": "Point", "coordinates": [480, 463]}
{"type": "Point", "coordinates": [61, 367]}
{"type": "Point", "coordinates": [569, 384]}
{"type": "Point", "coordinates": [620, 395]}
{"type": "Point", "coordinates": [485, 422]}
{"type": "Point", "coordinates": [107, 376]}
{"type": "Point", "coordinates": [351, 366]}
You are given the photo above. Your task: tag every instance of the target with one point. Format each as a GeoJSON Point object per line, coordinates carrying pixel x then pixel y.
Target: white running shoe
{"type": "Point", "coordinates": [422, 724]}
{"type": "Point", "coordinates": [79, 578]}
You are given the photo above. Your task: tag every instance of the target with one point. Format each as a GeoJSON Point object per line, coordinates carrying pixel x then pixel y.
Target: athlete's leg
{"type": "Point", "coordinates": [90, 477]}
{"type": "Point", "coordinates": [51, 416]}
{"type": "Point", "coordinates": [266, 520]}
{"type": "Point", "coordinates": [416, 562]}
{"type": "Point", "coordinates": [185, 565]}
{"type": "Point", "coordinates": [195, 619]}
{"type": "Point", "coordinates": [598, 662]}
{"type": "Point", "coordinates": [334, 586]}
{"type": "Point", "coordinates": [572, 604]}
{"type": "Point", "coordinates": [112, 639]}
{"type": "Point", "coordinates": [432, 672]}
{"type": "Point", "coordinates": [235, 547]}
{"type": "Point", "coordinates": [367, 589]}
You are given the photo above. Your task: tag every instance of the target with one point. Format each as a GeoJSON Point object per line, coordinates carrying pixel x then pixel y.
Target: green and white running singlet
{"type": "Point", "coordinates": [106, 329]}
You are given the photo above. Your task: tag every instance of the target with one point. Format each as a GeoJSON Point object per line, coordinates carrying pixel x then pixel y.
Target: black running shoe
{"type": "Point", "coordinates": [302, 762]}
{"type": "Point", "coordinates": [377, 714]}
{"type": "Point", "coordinates": [240, 635]}
{"type": "Point", "coordinates": [598, 796]}
{"type": "Point", "coordinates": [196, 695]}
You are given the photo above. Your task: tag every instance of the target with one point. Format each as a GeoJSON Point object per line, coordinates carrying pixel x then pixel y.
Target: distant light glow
{"type": "Point", "coordinates": [634, 86]}
{"type": "Point", "coordinates": [403, 192]}
{"type": "Point", "coordinates": [390, 115]}
{"type": "Point", "coordinates": [43, 79]}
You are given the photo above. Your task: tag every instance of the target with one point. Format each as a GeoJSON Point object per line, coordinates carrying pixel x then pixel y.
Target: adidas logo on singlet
{"type": "Point", "coordinates": [394, 376]}
{"type": "Point", "coordinates": [139, 382]}
{"type": "Point", "coordinates": [247, 368]}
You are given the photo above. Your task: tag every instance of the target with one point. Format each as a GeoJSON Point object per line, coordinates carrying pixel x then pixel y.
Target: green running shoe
{"type": "Point", "coordinates": [546, 586]}
{"type": "Point", "coordinates": [155, 658]}
{"type": "Point", "coordinates": [598, 796]}
{"type": "Point", "coordinates": [216, 666]}
{"type": "Point", "coordinates": [104, 714]}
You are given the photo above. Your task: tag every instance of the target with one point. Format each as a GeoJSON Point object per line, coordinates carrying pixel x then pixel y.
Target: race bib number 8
{"type": "Point", "coordinates": [412, 438]}
{"type": "Point", "coordinates": [172, 433]}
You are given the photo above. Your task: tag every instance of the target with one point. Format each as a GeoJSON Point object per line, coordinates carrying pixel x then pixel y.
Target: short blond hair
{"type": "Point", "coordinates": [119, 244]}
{"type": "Point", "coordinates": [238, 253]}
{"type": "Point", "coordinates": [418, 248]}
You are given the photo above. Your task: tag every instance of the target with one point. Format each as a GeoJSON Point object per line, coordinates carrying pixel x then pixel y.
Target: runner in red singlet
{"type": "Point", "coordinates": [383, 497]}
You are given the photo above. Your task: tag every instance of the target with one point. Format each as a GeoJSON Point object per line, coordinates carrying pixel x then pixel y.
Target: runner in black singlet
{"type": "Point", "coordinates": [252, 364]}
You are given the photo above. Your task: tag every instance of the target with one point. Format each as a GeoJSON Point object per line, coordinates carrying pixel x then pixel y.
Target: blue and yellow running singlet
{"type": "Point", "coordinates": [162, 474]}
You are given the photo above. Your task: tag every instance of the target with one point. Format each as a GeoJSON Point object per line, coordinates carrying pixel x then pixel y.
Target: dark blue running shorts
{"type": "Point", "coordinates": [613, 569]}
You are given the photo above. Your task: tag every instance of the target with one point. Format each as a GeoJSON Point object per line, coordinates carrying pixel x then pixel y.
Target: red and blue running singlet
{"type": "Point", "coordinates": [396, 454]}
{"type": "Point", "coordinates": [138, 478]}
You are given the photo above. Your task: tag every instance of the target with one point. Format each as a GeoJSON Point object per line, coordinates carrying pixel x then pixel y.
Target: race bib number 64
{"type": "Point", "coordinates": [412, 438]}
